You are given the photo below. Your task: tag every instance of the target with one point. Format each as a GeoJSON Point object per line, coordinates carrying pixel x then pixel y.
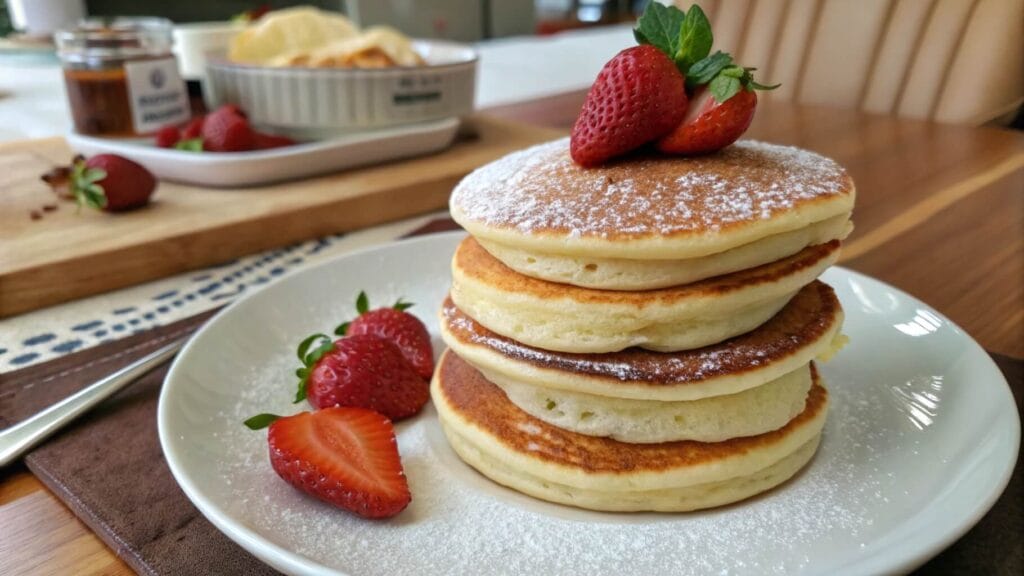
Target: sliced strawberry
{"type": "Point", "coordinates": [194, 128]}
{"type": "Point", "coordinates": [168, 136]}
{"type": "Point", "coordinates": [226, 130]}
{"type": "Point", "coordinates": [395, 324]}
{"type": "Point", "coordinates": [265, 141]}
{"type": "Point", "coordinates": [345, 456]}
{"type": "Point", "coordinates": [365, 371]}
{"type": "Point", "coordinates": [710, 125]}
{"type": "Point", "coordinates": [639, 96]}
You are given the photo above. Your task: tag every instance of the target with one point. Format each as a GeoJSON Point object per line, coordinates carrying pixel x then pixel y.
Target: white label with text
{"type": "Point", "coordinates": [157, 93]}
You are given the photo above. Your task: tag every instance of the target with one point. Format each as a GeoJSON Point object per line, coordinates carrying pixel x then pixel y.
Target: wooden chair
{"type": "Point", "coordinates": [957, 61]}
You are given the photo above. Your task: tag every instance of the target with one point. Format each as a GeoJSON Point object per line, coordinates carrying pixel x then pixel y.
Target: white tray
{"type": "Point", "coordinates": [231, 169]}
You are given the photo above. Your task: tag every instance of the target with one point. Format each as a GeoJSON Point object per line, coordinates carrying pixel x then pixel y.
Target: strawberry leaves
{"type": "Point", "coordinates": [261, 421]}
{"type": "Point", "coordinates": [363, 306]}
{"type": "Point", "coordinates": [686, 38]}
{"type": "Point", "coordinates": [309, 358]}
{"type": "Point", "coordinates": [190, 145]}
{"type": "Point", "coordinates": [84, 186]}
{"type": "Point", "coordinates": [659, 26]}
{"type": "Point", "coordinates": [695, 39]}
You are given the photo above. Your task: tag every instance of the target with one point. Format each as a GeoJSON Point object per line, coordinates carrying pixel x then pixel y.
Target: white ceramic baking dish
{"type": "Point", "coordinates": [311, 102]}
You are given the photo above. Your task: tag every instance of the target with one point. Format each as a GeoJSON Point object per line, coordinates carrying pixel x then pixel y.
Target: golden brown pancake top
{"type": "Point", "coordinates": [541, 191]}
{"type": "Point", "coordinates": [808, 317]}
{"type": "Point", "coordinates": [475, 262]}
{"type": "Point", "coordinates": [485, 405]}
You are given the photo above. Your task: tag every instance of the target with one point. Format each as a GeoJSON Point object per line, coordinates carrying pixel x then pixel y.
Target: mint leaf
{"type": "Point", "coordinates": [705, 70]}
{"type": "Point", "coordinates": [724, 87]}
{"type": "Point", "coordinates": [695, 39]}
{"type": "Point", "coordinates": [659, 26]}
{"type": "Point", "coordinates": [190, 145]}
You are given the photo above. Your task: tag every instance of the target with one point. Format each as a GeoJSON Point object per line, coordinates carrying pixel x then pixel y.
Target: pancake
{"type": "Point", "coordinates": [568, 318]}
{"type": "Point", "coordinates": [514, 449]}
{"type": "Point", "coordinates": [633, 274]}
{"type": "Point", "coordinates": [748, 413]}
{"type": "Point", "coordinates": [808, 327]}
{"type": "Point", "coordinates": [653, 207]}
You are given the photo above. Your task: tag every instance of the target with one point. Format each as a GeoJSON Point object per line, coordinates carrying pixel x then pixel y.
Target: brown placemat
{"type": "Point", "coordinates": [109, 470]}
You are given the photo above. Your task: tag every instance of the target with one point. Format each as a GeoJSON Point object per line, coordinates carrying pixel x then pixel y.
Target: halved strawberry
{"type": "Point", "coordinates": [365, 371]}
{"type": "Point", "coordinates": [395, 324]}
{"type": "Point", "coordinates": [345, 456]}
{"type": "Point", "coordinates": [711, 125]}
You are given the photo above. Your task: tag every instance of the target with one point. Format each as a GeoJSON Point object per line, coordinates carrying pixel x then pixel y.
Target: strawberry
{"type": "Point", "coordinates": [112, 183]}
{"type": "Point", "coordinates": [711, 125]}
{"type": "Point", "coordinates": [227, 130]}
{"type": "Point", "coordinates": [194, 128]}
{"type": "Point", "coordinates": [264, 141]}
{"type": "Point", "coordinates": [168, 136]}
{"type": "Point", "coordinates": [395, 324]}
{"type": "Point", "coordinates": [347, 457]}
{"type": "Point", "coordinates": [637, 93]}
{"type": "Point", "coordinates": [364, 371]}
{"type": "Point", "coordinates": [638, 96]}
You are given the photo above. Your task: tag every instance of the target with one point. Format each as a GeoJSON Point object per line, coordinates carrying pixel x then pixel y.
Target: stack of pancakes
{"type": "Point", "coordinates": [641, 336]}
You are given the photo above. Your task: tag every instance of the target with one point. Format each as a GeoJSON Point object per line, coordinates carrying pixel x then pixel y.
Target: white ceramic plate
{"type": "Point", "coordinates": [227, 169]}
{"type": "Point", "coordinates": [921, 439]}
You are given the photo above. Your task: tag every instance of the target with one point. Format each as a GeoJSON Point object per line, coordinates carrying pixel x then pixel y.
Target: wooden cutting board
{"type": "Point", "coordinates": [67, 254]}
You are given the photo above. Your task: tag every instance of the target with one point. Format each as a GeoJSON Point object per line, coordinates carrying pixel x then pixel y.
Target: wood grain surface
{"type": "Point", "coordinates": [940, 214]}
{"type": "Point", "coordinates": [69, 254]}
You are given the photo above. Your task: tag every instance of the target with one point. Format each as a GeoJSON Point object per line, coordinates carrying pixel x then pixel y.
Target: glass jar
{"type": "Point", "coordinates": [121, 77]}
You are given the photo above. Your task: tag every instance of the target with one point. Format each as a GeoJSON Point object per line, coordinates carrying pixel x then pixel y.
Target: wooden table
{"type": "Point", "coordinates": [940, 214]}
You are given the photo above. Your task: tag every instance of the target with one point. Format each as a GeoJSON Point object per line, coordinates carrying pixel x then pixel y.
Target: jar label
{"type": "Point", "coordinates": [157, 94]}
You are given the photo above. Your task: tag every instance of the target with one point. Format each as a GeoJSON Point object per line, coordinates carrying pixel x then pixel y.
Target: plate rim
{"type": "Point", "coordinates": [279, 557]}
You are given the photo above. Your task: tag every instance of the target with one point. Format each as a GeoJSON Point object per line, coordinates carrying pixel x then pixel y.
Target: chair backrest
{"type": "Point", "coordinates": [958, 61]}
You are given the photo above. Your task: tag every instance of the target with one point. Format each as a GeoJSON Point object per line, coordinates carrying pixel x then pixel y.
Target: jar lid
{"type": "Point", "coordinates": [114, 39]}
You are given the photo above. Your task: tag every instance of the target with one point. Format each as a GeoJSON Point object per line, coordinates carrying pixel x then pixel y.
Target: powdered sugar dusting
{"type": "Point", "coordinates": [541, 189]}
{"type": "Point", "coordinates": [461, 523]}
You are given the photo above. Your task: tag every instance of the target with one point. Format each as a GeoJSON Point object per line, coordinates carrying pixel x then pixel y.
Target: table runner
{"type": "Point", "coordinates": [109, 469]}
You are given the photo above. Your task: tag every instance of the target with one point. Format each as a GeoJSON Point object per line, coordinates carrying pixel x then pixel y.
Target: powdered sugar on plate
{"type": "Point", "coordinates": [461, 523]}
{"type": "Point", "coordinates": [887, 487]}
{"type": "Point", "coordinates": [541, 189]}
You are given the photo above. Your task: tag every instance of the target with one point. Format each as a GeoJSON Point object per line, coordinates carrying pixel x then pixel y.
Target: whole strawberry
{"type": "Point", "coordinates": [194, 128]}
{"type": "Point", "coordinates": [395, 324]}
{"type": "Point", "coordinates": [345, 456]}
{"type": "Point", "coordinates": [112, 183]}
{"type": "Point", "coordinates": [711, 125]}
{"type": "Point", "coordinates": [227, 130]}
{"type": "Point", "coordinates": [168, 136]}
{"type": "Point", "coordinates": [638, 96]}
{"type": "Point", "coordinates": [364, 371]}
